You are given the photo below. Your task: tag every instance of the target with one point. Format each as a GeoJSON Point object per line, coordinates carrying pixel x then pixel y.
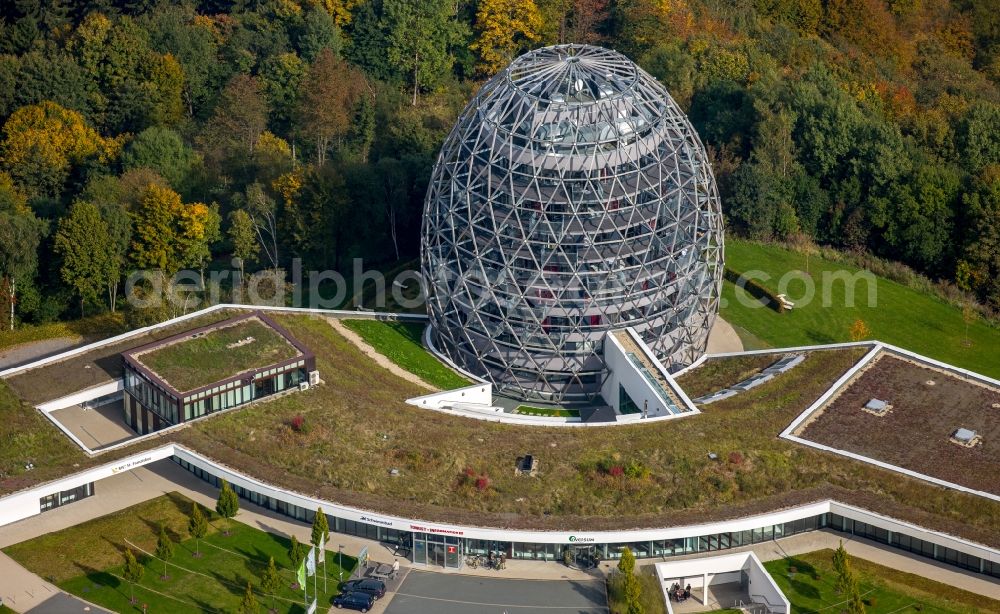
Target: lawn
{"type": "Point", "coordinates": [86, 560]}
{"type": "Point", "coordinates": [218, 354]}
{"type": "Point", "coordinates": [554, 412]}
{"type": "Point", "coordinates": [402, 343]}
{"type": "Point", "coordinates": [910, 319]}
{"type": "Point", "coordinates": [95, 367]}
{"type": "Point", "coordinates": [810, 589]}
{"type": "Point", "coordinates": [718, 373]}
{"type": "Point", "coordinates": [360, 429]}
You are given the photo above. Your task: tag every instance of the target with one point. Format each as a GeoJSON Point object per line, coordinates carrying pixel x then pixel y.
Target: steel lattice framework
{"type": "Point", "coordinates": [572, 197]}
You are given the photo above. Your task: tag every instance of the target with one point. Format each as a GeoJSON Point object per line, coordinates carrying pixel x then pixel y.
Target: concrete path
{"type": "Point", "coordinates": [374, 354]}
{"type": "Point", "coordinates": [723, 338]}
{"type": "Point", "coordinates": [35, 350]}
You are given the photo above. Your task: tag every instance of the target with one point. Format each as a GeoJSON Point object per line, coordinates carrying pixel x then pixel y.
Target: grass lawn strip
{"type": "Point", "coordinates": [402, 343]}
{"type": "Point", "coordinates": [718, 373]}
{"type": "Point", "coordinates": [191, 363]}
{"type": "Point", "coordinates": [812, 588]}
{"type": "Point", "coordinates": [901, 316]}
{"type": "Point", "coordinates": [554, 412]}
{"type": "Point", "coordinates": [86, 560]}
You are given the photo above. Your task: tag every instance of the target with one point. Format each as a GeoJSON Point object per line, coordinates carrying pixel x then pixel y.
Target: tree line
{"type": "Point", "coordinates": [139, 134]}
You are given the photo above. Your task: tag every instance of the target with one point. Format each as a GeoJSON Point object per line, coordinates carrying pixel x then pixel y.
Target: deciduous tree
{"type": "Point", "coordinates": [504, 28]}
{"type": "Point", "coordinates": [20, 235]}
{"type": "Point", "coordinates": [43, 142]}
{"type": "Point", "coordinates": [327, 102]}
{"type": "Point", "coordinates": [420, 36]}
{"type": "Point", "coordinates": [243, 237]}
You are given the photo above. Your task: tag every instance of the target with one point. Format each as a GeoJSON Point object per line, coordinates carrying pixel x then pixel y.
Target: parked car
{"type": "Point", "coordinates": [355, 601]}
{"type": "Point", "coordinates": [376, 588]}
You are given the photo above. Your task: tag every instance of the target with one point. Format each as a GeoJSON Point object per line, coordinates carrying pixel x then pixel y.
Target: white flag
{"type": "Point", "coordinates": [322, 546]}
{"type": "Point", "coordinates": [311, 562]}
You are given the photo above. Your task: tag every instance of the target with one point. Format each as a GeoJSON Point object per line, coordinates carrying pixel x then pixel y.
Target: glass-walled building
{"type": "Point", "coordinates": [152, 400]}
{"type": "Point", "coordinates": [435, 549]}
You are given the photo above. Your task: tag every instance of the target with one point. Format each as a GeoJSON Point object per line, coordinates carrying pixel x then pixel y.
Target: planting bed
{"type": "Point", "coordinates": [915, 433]}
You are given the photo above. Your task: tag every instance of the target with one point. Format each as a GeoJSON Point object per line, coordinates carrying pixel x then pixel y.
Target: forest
{"type": "Point", "coordinates": [165, 136]}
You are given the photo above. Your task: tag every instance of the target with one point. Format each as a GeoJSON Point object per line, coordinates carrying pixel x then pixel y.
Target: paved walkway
{"type": "Point", "coordinates": [723, 338]}
{"type": "Point", "coordinates": [374, 354]}
{"type": "Point", "coordinates": [35, 350]}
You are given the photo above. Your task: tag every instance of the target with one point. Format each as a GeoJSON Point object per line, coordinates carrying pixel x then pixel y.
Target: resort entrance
{"type": "Point", "coordinates": [437, 550]}
{"type": "Point", "coordinates": [580, 557]}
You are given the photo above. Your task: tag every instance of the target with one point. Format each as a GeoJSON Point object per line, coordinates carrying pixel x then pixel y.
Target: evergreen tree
{"type": "Point", "coordinates": [83, 242]}
{"type": "Point", "coordinates": [228, 504]}
{"type": "Point", "coordinates": [249, 603]}
{"type": "Point", "coordinates": [132, 572]}
{"type": "Point", "coordinates": [197, 527]}
{"type": "Point", "coordinates": [295, 553]}
{"type": "Point", "coordinates": [270, 581]}
{"type": "Point", "coordinates": [320, 528]}
{"type": "Point", "coordinates": [626, 565]}
{"type": "Point", "coordinates": [164, 548]}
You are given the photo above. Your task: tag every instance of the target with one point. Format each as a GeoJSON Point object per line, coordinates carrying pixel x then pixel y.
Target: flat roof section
{"type": "Point", "coordinates": [97, 427]}
{"type": "Point", "coordinates": [210, 354]}
{"type": "Point", "coordinates": [928, 405]}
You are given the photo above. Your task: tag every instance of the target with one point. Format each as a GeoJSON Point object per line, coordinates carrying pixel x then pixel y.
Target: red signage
{"type": "Point", "coordinates": [452, 549]}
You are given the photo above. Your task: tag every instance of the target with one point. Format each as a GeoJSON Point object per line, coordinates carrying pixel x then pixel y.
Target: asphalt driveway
{"type": "Point", "coordinates": [424, 592]}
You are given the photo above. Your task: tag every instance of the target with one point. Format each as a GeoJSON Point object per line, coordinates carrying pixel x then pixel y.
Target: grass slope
{"type": "Point", "coordinates": [86, 560]}
{"type": "Point", "coordinates": [811, 588]}
{"type": "Point", "coordinates": [401, 342]}
{"type": "Point", "coordinates": [361, 429]}
{"type": "Point", "coordinates": [901, 316]}
{"type": "Point", "coordinates": [192, 363]}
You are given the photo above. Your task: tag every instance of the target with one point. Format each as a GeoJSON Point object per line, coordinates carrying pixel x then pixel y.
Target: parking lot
{"type": "Point", "coordinates": [423, 592]}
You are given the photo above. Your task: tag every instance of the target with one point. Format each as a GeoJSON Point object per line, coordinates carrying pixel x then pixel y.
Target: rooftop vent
{"type": "Point", "coordinates": [526, 465]}
{"type": "Point", "coordinates": [877, 407]}
{"type": "Point", "coordinates": [965, 437]}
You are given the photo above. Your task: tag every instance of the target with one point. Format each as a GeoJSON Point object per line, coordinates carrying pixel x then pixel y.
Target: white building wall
{"type": "Point", "coordinates": [478, 394]}
{"type": "Point", "coordinates": [623, 372]}
{"type": "Point", "coordinates": [25, 504]}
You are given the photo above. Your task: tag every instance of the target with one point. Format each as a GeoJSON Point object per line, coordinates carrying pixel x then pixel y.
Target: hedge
{"type": "Point", "coordinates": [755, 289]}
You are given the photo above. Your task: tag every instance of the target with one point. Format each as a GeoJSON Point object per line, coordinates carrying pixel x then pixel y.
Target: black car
{"type": "Point", "coordinates": [355, 601]}
{"type": "Point", "coordinates": [375, 588]}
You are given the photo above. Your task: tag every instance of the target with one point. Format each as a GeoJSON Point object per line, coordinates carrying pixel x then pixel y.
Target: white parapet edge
{"type": "Point", "coordinates": [25, 504]}
{"type": "Point", "coordinates": [876, 351]}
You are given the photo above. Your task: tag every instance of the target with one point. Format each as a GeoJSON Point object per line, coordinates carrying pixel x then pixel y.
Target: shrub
{"type": "Point", "coordinates": [469, 472]}
{"type": "Point", "coordinates": [755, 289]}
{"type": "Point", "coordinates": [482, 483]}
{"type": "Point", "coordinates": [616, 471]}
{"type": "Point", "coordinates": [298, 424]}
{"type": "Point", "coordinates": [735, 458]}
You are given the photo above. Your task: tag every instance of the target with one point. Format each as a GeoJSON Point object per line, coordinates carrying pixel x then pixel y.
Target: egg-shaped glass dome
{"type": "Point", "coordinates": [571, 198]}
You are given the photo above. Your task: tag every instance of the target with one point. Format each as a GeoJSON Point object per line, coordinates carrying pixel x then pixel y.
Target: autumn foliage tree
{"type": "Point", "coordinates": [43, 142]}
{"type": "Point", "coordinates": [504, 28]}
{"type": "Point", "coordinates": [327, 101]}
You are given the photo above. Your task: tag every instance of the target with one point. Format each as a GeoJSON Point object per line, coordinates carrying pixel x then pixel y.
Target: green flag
{"type": "Point", "coordinates": [301, 577]}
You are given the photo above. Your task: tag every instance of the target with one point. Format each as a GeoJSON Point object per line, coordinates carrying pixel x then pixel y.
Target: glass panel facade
{"type": "Point", "coordinates": [65, 497]}
{"type": "Point", "coordinates": [445, 550]}
{"type": "Point", "coordinates": [218, 398]}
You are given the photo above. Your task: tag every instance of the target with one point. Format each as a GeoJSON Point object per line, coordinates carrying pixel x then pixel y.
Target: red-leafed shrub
{"type": "Point", "coordinates": [735, 458]}
{"type": "Point", "coordinates": [616, 471]}
{"type": "Point", "coordinates": [298, 423]}
{"type": "Point", "coordinates": [482, 483]}
{"type": "Point", "coordinates": [469, 472]}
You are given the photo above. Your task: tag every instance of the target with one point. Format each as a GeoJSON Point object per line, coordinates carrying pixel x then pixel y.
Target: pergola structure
{"type": "Point", "coordinates": [571, 198]}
